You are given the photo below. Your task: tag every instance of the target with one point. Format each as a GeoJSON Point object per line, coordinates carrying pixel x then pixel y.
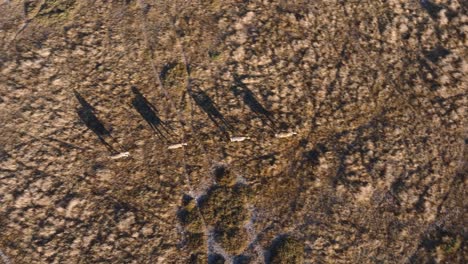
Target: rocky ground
{"type": "Point", "coordinates": [308, 131]}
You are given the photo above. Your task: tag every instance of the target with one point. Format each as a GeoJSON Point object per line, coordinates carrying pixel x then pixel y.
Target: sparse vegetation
{"type": "Point", "coordinates": [173, 74]}
{"type": "Point", "coordinates": [214, 55]}
{"type": "Point", "coordinates": [55, 8]}
{"type": "Point", "coordinates": [451, 244]}
{"type": "Point", "coordinates": [369, 97]}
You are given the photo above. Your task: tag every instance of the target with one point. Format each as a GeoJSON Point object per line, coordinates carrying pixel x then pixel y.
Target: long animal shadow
{"type": "Point", "coordinates": [209, 107]}
{"type": "Point", "coordinates": [148, 112]}
{"type": "Point", "coordinates": [87, 114]}
{"type": "Point", "coordinates": [432, 8]}
{"type": "Point", "coordinates": [241, 90]}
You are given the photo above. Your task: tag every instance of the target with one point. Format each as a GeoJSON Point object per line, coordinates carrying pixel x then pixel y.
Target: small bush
{"type": "Point", "coordinates": [216, 259]}
{"type": "Point", "coordinates": [223, 176]}
{"type": "Point", "coordinates": [233, 240]}
{"type": "Point", "coordinates": [198, 258]}
{"type": "Point", "coordinates": [287, 250]}
{"type": "Point", "coordinates": [195, 242]}
{"type": "Point", "coordinates": [190, 217]}
{"type": "Point", "coordinates": [224, 207]}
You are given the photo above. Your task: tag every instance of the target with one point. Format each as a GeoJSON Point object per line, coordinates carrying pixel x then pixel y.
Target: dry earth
{"type": "Point", "coordinates": [354, 113]}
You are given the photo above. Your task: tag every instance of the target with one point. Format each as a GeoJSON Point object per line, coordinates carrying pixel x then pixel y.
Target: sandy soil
{"type": "Point", "coordinates": [233, 131]}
